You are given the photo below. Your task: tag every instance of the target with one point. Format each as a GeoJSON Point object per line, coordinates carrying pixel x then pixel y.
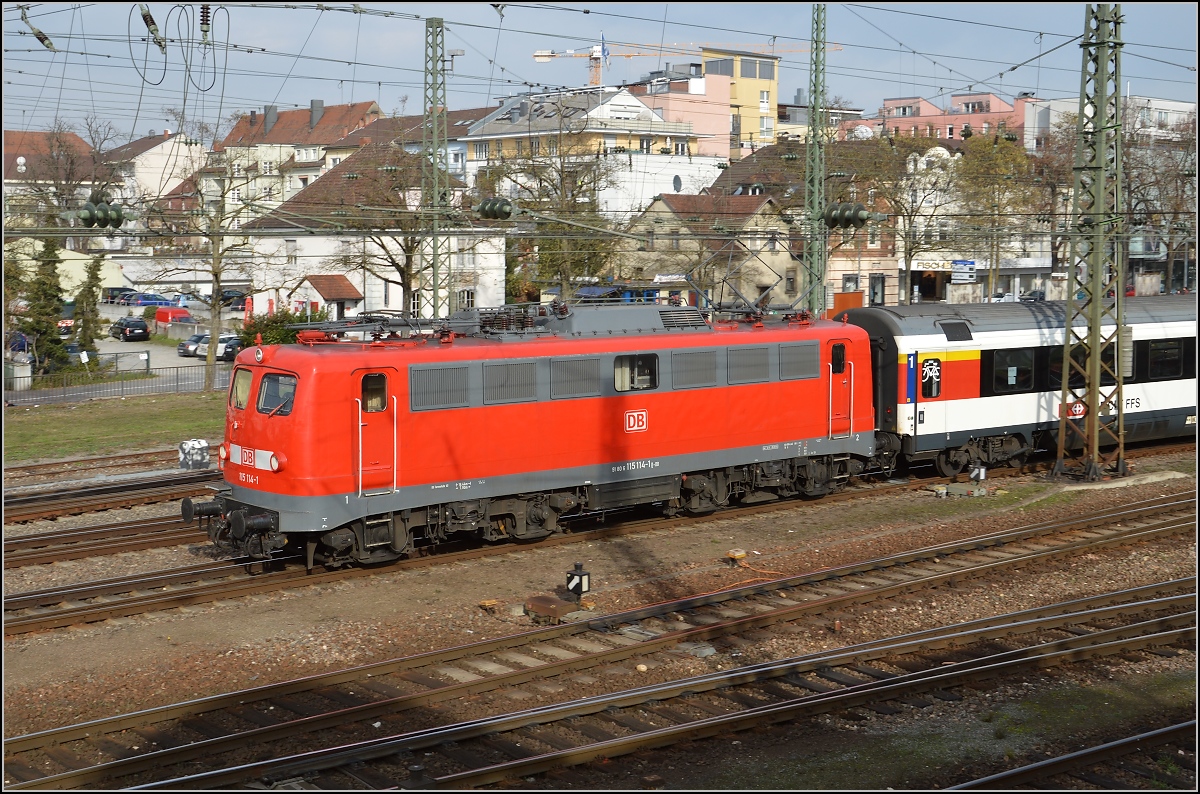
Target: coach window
{"type": "Point", "coordinates": [239, 393]}
{"type": "Point", "coordinates": [1166, 359]}
{"type": "Point", "coordinates": [1013, 371]}
{"type": "Point", "coordinates": [636, 373]}
{"type": "Point", "coordinates": [275, 394]}
{"type": "Point", "coordinates": [374, 392]}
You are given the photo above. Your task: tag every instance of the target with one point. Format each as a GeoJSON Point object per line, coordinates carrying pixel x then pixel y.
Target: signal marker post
{"type": "Point", "coordinates": [579, 582]}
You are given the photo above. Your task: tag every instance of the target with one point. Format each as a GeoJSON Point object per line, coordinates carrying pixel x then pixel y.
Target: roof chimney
{"type": "Point", "coordinates": [316, 109]}
{"type": "Point", "coordinates": [253, 117]}
{"type": "Point", "coordinates": [166, 133]}
{"type": "Point", "coordinates": [270, 116]}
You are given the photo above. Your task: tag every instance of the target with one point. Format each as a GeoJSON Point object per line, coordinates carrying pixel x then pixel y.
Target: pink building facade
{"type": "Point", "coordinates": [983, 113]}
{"type": "Point", "coordinates": [702, 101]}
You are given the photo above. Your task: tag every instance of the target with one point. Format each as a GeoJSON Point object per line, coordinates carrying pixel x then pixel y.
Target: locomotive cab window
{"type": "Point", "coordinates": [1012, 371]}
{"type": "Point", "coordinates": [239, 390]}
{"type": "Point", "coordinates": [838, 359]}
{"type": "Point", "coordinates": [636, 373]}
{"type": "Point", "coordinates": [374, 392]}
{"type": "Point", "coordinates": [276, 394]}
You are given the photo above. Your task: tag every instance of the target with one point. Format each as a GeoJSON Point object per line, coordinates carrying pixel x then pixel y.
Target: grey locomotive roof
{"type": "Point", "coordinates": [581, 321]}
{"type": "Point", "coordinates": [927, 318]}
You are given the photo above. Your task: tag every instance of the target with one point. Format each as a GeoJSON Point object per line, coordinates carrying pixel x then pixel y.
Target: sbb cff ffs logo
{"type": "Point", "coordinates": [636, 421]}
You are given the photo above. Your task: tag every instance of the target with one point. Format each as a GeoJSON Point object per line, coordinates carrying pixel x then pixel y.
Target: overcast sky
{"type": "Point", "coordinates": [287, 55]}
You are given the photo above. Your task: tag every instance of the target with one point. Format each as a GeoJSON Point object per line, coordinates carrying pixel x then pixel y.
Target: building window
{"type": "Point", "coordinates": [645, 144]}
{"type": "Point", "coordinates": [850, 283]}
{"type": "Point", "coordinates": [268, 167]}
{"type": "Point", "coordinates": [236, 194]}
{"type": "Point", "coordinates": [290, 249]}
{"type": "Point", "coordinates": [789, 282]}
{"type": "Point", "coordinates": [334, 161]}
{"type": "Point", "coordinates": [650, 240]}
{"type": "Point", "coordinates": [1162, 118]}
{"type": "Point", "coordinates": [520, 147]}
{"type": "Point", "coordinates": [303, 182]}
{"type": "Point", "coordinates": [878, 288]}
{"type": "Point", "coordinates": [237, 169]}
{"type": "Point", "coordinates": [414, 303]}
{"type": "Point", "coordinates": [872, 235]}
{"type": "Point", "coordinates": [675, 240]}
{"type": "Point", "coordinates": [985, 128]}
{"type": "Point", "coordinates": [719, 66]}
{"type": "Point", "coordinates": [950, 131]}
{"type": "Point", "coordinates": [466, 299]}
{"type": "Point", "coordinates": [764, 101]}
{"type": "Point", "coordinates": [766, 127]}
{"type": "Point", "coordinates": [534, 146]}
{"type": "Point", "coordinates": [552, 147]}
{"type": "Point", "coordinates": [773, 243]}
{"type": "Point", "coordinates": [481, 150]}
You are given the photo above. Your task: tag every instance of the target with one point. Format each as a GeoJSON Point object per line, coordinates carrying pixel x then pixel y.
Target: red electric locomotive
{"type": "Point", "coordinates": [507, 422]}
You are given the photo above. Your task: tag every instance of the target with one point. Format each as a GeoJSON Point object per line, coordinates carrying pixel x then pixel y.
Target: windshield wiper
{"type": "Point", "coordinates": [286, 401]}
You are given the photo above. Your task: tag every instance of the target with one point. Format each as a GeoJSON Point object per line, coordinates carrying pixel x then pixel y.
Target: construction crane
{"type": "Point", "coordinates": [598, 54]}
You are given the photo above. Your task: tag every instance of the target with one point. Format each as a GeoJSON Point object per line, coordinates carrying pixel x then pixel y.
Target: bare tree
{"type": "Point", "coordinates": [915, 179]}
{"type": "Point", "coordinates": [204, 218]}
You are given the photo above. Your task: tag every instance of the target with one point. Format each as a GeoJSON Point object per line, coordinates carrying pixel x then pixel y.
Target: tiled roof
{"type": "Point", "coordinates": [134, 148]}
{"type": "Point", "coordinates": [292, 126]}
{"type": "Point", "coordinates": [733, 211]}
{"type": "Point", "coordinates": [408, 128]}
{"type": "Point", "coordinates": [376, 175]}
{"type": "Point", "coordinates": [36, 147]}
{"type": "Point", "coordinates": [334, 288]}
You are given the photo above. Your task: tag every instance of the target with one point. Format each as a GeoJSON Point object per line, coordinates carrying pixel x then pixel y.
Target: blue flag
{"type": "Point", "coordinates": [604, 52]}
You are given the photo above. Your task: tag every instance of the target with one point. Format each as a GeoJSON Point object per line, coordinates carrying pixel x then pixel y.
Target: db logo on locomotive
{"type": "Point", "coordinates": [636, 421]}
{"type": "Point", "coordinates": [247, 457]}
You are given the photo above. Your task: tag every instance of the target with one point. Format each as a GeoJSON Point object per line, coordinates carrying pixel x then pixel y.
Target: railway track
{"type": "Point", "coordinates": [883, 675]}
{"type": "Point", "coordinates": [19, 509]}
{"type": "Point", "coordinates": [1161, 759]}
{"type": "Point", "coordinates": [15, 475]}
{"type": "Point", "coordinates": [402, 688]}
{"type": "Point", "coordinates": [96, 601]}
{"type": "Point", "coordinates": [76, 544]}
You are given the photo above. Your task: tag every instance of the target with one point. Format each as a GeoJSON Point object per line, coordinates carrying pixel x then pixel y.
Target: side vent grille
{"type": "Point", "coordinates": [689, 370]}
{"type": "Point", "coordinates": [510, 383]}
{"type": "Point", "coordinates": [575, 377]}
{"type": "Point", "coordinates": [799, 361]}
{"type": "Point", "coordinates": [748, 365]}
{"type": "Point", "coordinates": [439, 387]}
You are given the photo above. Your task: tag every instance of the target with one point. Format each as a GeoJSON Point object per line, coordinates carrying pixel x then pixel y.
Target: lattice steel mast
{"type": "Point", "coordinates": [435, 178]}
{"type": "Point", "coordinates": [1097, 351]}
{"type": "Point", "coordinates": [816, 253]}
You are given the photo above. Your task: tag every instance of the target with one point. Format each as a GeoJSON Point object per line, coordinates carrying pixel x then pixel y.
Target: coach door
{"type": "Point", "coordinates": [841, 387]}
{"type": "Point", "coordinates": [377, 445]}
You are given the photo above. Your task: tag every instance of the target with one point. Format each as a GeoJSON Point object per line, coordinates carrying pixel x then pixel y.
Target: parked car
{"type": "Point", "coordinates": [1033, 296]}
{"type": "Point", "coordinates": [114, 294]}
{"type": "Point", "coordinates": [228, 346]}
{"type": "Point", "coordinates": [18, 342]}
{"type": "Point", "coordinates": [148, 299]}
{"type": "Point", "coordinates": [187, 298]}
{"type": "Point", "coordinates": [188, 346]}
{"type": "Point", "coordinates": [128, 329]}
{"type": "Point", "coordinates": [1003, 297]}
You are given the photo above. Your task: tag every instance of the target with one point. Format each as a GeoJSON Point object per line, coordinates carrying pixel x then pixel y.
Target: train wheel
{"type": "Point", "coordinates": [949, 463]}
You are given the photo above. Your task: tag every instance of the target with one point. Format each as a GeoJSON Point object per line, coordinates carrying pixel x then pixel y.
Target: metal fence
{"type": "Point", "coordinates": [79, 386]}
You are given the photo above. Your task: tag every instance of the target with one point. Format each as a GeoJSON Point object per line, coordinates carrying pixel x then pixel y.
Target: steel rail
{"type": "Point", "coordinates": [1082, 759]}
{"type": "Point", "coordinates": [1041, 619]}
{"type": "Point", "coordinates": [75, 612]}
{"type": "Point", "coordinates": [1150, 633]}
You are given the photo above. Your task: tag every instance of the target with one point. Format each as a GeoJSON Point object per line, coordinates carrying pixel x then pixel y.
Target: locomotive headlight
{"type": "Point", "coordinates": [277, 461]}
{"type": "Point", "coordinates": [223, 452]}
{"type": "Point", "coordinates": [258, 355]}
